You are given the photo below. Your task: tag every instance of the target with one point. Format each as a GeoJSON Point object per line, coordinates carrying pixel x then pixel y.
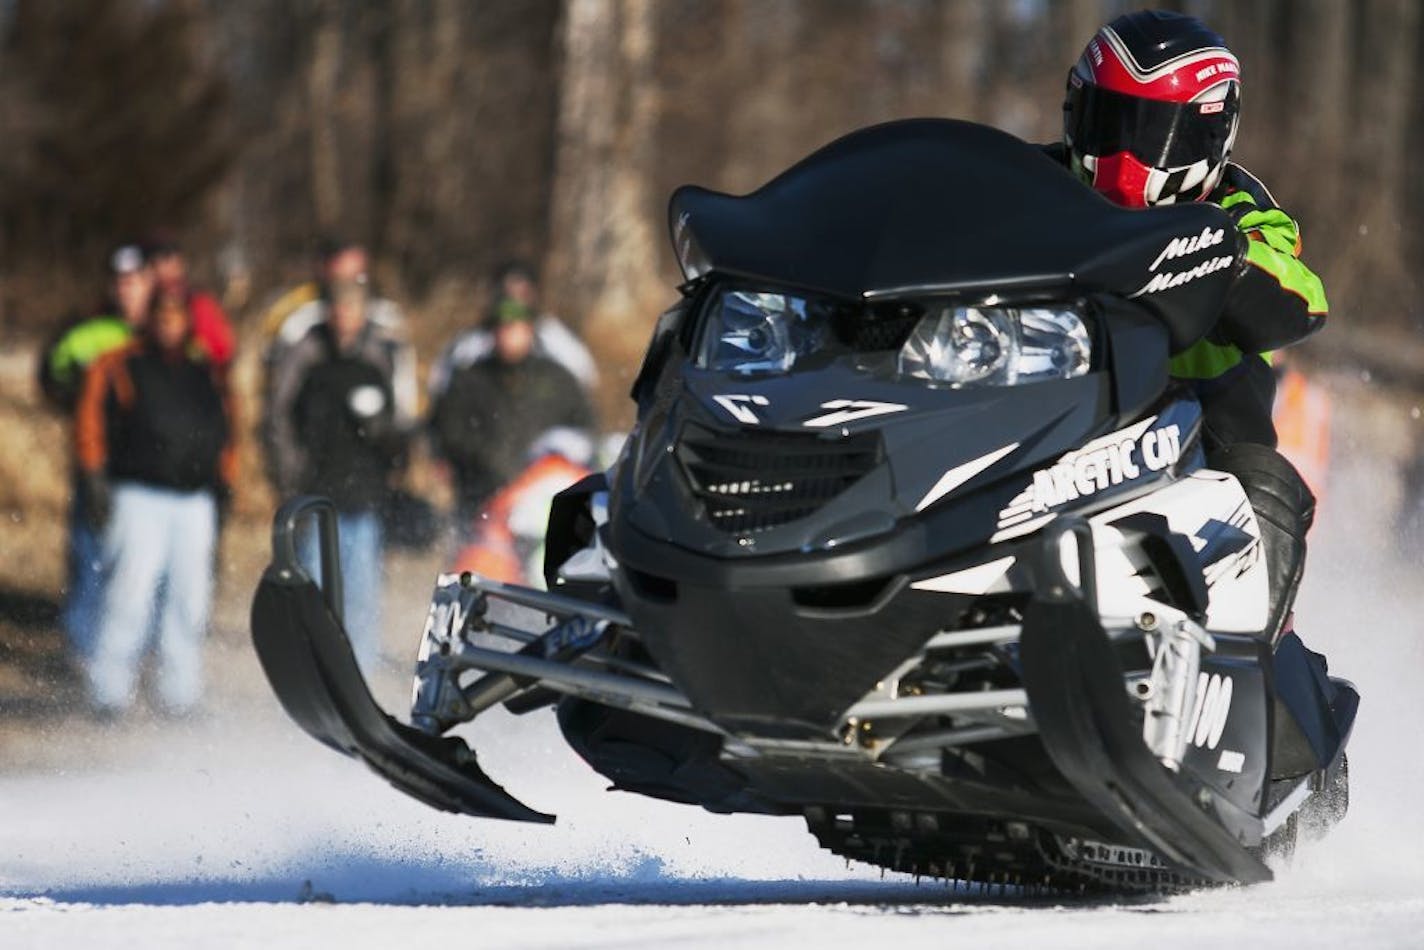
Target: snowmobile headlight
{"type": "Point", "coordinates": [755, 332]}
{"type": "Point", "coordinates": [996, 346]}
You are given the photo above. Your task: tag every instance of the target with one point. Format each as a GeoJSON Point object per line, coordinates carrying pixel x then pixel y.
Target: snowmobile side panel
{"type": "Point", "coordinates": [307, 658]}
{"type": "Point", "coordinates": [1075, 685]}
{"type": "Point", "coordinates": [1314, 714]}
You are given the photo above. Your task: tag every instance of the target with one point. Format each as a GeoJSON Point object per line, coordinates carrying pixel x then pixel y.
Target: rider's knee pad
{"type": "Point", "coordinates": [1275, 489]}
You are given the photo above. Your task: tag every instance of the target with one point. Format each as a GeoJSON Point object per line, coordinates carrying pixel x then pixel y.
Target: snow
{"type": "Point", "coordinates": [244, 833]}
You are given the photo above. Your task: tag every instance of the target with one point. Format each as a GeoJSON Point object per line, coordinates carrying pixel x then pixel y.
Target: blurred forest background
{"type": "Point", "coordinates": [451, 134]}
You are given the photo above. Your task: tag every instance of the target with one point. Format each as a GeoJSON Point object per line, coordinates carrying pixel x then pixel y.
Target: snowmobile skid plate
{"type": "Point", "coordinates": [1074, 682]}
{"type": "Point", "coordinates": [304, 650]}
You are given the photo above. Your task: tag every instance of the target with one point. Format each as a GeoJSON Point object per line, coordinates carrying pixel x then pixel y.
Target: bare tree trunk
{"type": "Point", "coordinates": [965, 28]}
{"type": "Point", "coordinates": [759, 35]}
{"type": "Point", "coordinates": [1320, 63]}
{"type": "Point", "coordinates": [1074, 23]}
{"type": "Point", "coordinates": [1377, 163]}
{"type": "Point", "coordinates": [321, 76]}
{"type": "Point", "coordinates": [603, 240]}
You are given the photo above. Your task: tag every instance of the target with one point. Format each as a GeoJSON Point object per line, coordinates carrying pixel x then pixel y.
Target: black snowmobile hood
{"type": "Point", "coordinates": [941, 205]}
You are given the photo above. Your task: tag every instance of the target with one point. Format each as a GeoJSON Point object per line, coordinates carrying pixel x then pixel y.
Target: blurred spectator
{"type": "Point", "coordinates": [211, 326]}
{"type": "Point", "coordinates": [340, 411]}
{"type": "Point", "coordinates": [516, 291]}
{"type": "Point", "coordinates": [491, 410]}
{"type": "Point", "coordinates": [298, 310]}
{"type": "Point", "coordinates": [505, 541]}
{"type": "Point", "coordinates": [154, 438]}
{"type": "Point", "coordinates": [130, 290]}
{"type": "Point", "coordinates": [62, 369]}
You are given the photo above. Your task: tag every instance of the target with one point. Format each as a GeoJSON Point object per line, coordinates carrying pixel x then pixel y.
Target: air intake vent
{"type": "Point", "coordinates": [881, 331]}
{"type": "Point", "coordinates": [752, 481]}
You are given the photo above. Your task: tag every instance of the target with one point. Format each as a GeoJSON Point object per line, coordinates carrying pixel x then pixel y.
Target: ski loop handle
{"type": "Point", "coordinates": [285, 527]}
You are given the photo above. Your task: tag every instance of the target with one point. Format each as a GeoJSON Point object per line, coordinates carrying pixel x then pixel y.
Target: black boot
{"type": "Point", "coordinates": [1284, 510]}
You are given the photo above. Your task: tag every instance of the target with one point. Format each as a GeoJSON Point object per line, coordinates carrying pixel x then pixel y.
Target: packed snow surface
{"type": "Point", "coordinates": [243, 832]}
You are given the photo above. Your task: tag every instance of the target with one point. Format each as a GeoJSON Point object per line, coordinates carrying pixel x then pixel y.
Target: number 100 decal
{"type": "Point", "coordinates": [1213, 706]}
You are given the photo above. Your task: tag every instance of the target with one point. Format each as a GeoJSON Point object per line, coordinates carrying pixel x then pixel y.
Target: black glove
{"type": "Point", "coordinates": [95, 500]}
{"type": "Point", "coordinates": [1243, 240]}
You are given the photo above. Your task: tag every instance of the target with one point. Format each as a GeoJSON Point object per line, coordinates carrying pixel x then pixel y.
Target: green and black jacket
{"type": "Point", "coordinates": [64, 362]}
{"type": "Point", "coordinates": [1275, 302]}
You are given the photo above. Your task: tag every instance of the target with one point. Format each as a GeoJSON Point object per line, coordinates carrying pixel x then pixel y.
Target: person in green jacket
{"type": "Point", "coordinates": [62, 369]}
{"type": "Point", "coordinates": [1150, 118]}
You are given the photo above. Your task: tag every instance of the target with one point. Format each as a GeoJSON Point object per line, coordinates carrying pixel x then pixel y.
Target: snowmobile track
{"type": "Point", "coordinates": [988, 853]}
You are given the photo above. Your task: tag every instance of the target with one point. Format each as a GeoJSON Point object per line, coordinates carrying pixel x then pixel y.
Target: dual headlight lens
{"type": "Point", "coordinates": [753, 332]}
{"type": "Point", "coordinates": [768, 333]}
{"type": "Point", "coordinates": [996, 346]}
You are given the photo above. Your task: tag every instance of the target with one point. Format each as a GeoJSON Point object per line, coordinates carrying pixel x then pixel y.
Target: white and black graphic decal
{"type": "Point", "coordinates": [851, 410]}
{"type": "Point", "coordinates": [1213, 708]}
{"type": "Point", "coordinates": [1185, 247]}
{"type": "Point", "coordinates": [960, 474]}
{"type": "Point", "coordinates": [1231, 761]}
{"type": "Point", "coordinates": [1226, 548]}
{"type": "Point", "coordinates": [1112, 460]}
{"type": "Point", "coordinates": [740, 407]}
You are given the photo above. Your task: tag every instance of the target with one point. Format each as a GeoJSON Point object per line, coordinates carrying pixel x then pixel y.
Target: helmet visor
{"type": "Point", "coordinates": [1098, 121]}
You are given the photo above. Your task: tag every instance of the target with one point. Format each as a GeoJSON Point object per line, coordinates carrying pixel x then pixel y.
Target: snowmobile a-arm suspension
{"type": "Point", "coordinates": [559, 659]}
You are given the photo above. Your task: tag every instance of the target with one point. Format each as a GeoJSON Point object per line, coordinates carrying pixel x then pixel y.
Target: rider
{"type": "Point", "coordinates": [1150, 117]}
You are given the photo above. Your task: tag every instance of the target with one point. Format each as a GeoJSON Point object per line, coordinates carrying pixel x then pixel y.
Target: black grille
{"type": "Point", "coordinates": [751, 481]}
{"type": "Point", "coordinates": [878, 327]}
{"type": "Point", "coordinates": [883, 333]}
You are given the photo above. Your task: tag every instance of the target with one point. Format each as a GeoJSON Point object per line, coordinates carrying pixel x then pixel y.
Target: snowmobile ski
{"type": "Point", "coordinates": [307, 657]}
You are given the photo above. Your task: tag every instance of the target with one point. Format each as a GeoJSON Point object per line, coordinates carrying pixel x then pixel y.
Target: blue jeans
{"type": "Point", "coordinates": [362, 577]}
{"type": "Point", "coordinates": [157, 538]}
{"type": "Point", "coordinates": [84, 594]}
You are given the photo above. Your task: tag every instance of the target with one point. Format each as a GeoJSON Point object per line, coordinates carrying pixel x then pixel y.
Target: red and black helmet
{"type": "Point", "coordinates": [1152, 108]}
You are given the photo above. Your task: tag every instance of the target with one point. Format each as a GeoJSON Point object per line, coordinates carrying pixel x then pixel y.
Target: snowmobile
{"type": "Point", "coordinates": [913, 538]}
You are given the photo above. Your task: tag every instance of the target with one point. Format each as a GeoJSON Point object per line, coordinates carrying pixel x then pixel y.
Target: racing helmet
{"type": "Point", "coordinates": [1151, 109]}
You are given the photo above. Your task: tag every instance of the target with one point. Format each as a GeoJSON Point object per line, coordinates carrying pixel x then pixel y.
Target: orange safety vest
{"type": "Point", "coordinates": [1302, 417]}
{"type": "Point", "coordinates": [493, 551]}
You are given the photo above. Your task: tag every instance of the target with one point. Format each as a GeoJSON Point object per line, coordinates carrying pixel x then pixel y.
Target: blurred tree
{"type": "Point", "coordinates": [115, 124]}
{"type": "Point", "coordinates": [603, 232]}
{"type": "Point", "coordinates": [449, 135]}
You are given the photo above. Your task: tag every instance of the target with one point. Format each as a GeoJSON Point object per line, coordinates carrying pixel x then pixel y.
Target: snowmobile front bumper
{"type": "Point", "coordinates": [304, 650]}
{"type": "Point", "coordinates": [1074, 691]}
{"type": "Point", "coordinates": [1075, 685]}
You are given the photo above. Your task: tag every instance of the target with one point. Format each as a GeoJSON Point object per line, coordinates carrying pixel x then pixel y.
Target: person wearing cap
{"type": "Point", "coordinates": [154, 440]}
{"type": "Point", "coordinates": [63, 362]}
{"type": "Point", "coordinates": [294, 314]}
{"type": "Point", "coordinates": [340, 407]}
{"type": "Point", "coordinates": [339, 260]}
{"type": "Point", "coordinates": [516, 288]}
{"type": "Point", "coordinates": [490, 411]}
{"type": "Point", "coordinates": [63, 365]}
{"type": "Point", "coordinates": [211, 327]}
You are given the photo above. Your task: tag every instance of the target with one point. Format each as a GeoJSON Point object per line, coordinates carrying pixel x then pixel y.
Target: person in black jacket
{"type": "Point", "coordinates": [62, 368]}
{"type": "Point", "coordinates": [154, 438]}
{"type": "Point", "coordinates": [492, 410]}
{"type": "Point", "coordinates": [336, 425]}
